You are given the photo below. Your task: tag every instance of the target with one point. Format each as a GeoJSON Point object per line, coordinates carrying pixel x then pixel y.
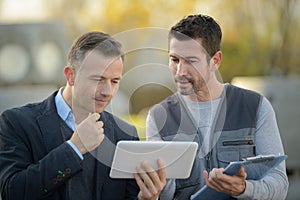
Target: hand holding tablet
{"type": "Point", "coordinates": [178, 157]}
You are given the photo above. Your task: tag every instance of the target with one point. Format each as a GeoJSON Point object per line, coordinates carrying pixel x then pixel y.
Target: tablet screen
{"type": "Point", "coordinates": [178, 157]}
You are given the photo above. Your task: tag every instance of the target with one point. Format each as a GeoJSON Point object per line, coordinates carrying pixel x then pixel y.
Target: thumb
{"type": "Point", "coordinates": [97, 116]}
{"type": "Point", "coordinates": [242, 172]}
{"type": "Point", "coordinates": [205, 176]}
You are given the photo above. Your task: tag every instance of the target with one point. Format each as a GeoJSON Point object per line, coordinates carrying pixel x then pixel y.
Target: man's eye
{"type": "Point", "coordinates": [174, 60]}
{"type": "Point", "coordinates": [115, 81]}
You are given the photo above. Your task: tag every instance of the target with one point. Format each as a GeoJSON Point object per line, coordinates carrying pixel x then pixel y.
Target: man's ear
{"type": "Point", "coordinates": [216, 61]}
{"type": "Point", "coordinates": [70, 75]}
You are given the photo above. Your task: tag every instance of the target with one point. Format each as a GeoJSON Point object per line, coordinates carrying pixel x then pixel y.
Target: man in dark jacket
{"type": "Point", "coordinates": [62, 148]}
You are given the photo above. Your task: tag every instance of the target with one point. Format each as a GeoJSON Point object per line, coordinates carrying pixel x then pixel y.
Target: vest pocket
{"type": "Point", "coordinates": [238, 142]}
{"type": "Point", "coordinates": [234, 146]}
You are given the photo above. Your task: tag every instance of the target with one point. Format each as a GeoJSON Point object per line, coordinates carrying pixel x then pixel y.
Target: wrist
{"type": "Point", "coordinates": [75, 149]}
{"type": "Point", "coordinates": [78, 144]}
{"type": "Point", "coordinates": [247, 190]}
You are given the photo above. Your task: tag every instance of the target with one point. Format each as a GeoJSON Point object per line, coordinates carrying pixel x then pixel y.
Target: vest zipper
{"type": "Point", "coordinates": [208, 163]}
{"type": "Point", "coordinates": [238, 142]}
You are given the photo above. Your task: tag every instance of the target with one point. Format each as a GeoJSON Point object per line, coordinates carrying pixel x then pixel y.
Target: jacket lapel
{"type": "Point", "coordinates": [48, 121]}
{"type": "Point", "coordinates": [104, 154]}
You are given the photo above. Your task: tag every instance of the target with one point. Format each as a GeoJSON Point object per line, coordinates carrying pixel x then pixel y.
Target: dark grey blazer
{"type": "Point", "coordinates": [37, 163]}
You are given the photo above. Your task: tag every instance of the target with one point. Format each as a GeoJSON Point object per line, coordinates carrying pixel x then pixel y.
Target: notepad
{"type": "Point", "coordinates": [256, 168]}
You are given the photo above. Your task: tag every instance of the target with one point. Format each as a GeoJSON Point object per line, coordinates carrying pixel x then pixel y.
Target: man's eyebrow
{"type": "Point", "coordinates": [173, 55]}
{"type": "Point", "coordinates": [185, 58]}
{"type": "Point", "coordinates": [96, 76]}
{"type": "Point", "coordinates": [103, 77]}
{"type": "Point", "coordinates": [191, 57]}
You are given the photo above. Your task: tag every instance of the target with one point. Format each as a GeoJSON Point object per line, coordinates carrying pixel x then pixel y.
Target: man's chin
{"type": "Point", "coordinates": [186, 92]}
{"type": "Point", "coordinates": [99, 108]}
{"type": "Point", "coordinates": [185, 89]}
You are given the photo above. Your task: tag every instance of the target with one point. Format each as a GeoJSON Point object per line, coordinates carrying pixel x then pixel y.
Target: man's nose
{"type": "Point", "coordinates": [105, 88]}
{"type": "Point", "coordinates": [181, 69]}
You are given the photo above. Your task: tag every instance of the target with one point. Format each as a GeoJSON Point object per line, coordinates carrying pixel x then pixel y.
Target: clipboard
{"type": "Point", "coordinates": [256, 168]}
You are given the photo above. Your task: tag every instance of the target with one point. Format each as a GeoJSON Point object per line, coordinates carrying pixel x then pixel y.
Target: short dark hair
{"type": "Point", "coordinates": [199, 27]}
{"type": "Point", "coordinates": [102, 42]}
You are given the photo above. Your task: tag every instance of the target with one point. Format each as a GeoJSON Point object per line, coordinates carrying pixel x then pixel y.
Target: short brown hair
{"type": "Point", "coordinates": [199, 27]}
{"type": "Point", "coordinates": [102, 42]}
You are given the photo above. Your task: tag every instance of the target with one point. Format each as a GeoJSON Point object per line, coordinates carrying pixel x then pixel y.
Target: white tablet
{"type": "Point", "coordinates": [178, 157]}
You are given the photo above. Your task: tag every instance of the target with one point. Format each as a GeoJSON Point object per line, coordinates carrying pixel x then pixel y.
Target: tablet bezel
{"type": "Point", "coordinates": [178, 157]}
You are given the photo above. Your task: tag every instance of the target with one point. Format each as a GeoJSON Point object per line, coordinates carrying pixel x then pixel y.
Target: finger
{"type": "Point", "coordinates": [150, 172]}
{"type": "Point", "coordinates": [205, 176]}
{"type": "Point", "coordinates": [144, 175]}
{"type": "Point", "coordinates": [231, 180]}
{"type": "Point", "coordinates": [101, 134]}
{"type": "Point", "coordinates": [233, 185]}
{"type": "Point", "coordinates": [101, 131]}
{"type": "Point", "coordinates": [161, 171]}
{"type": "Point", "coordinates": [157, 178]}
{"type": "Point", "coordinates": [139, 181]}
{"type": "Point", "coordinates": [213, 179]}
{"type": "Point", "coordinates": [212, 184]}
{"type": "Point", "coordinates": [148, 169]}
{"type": "Point", "coordinates": [221, 180]}
{"type": "Point", "coordinates": [96, 116]}
{"type": "Point", "coordinates": [100, 123]}
{"type": "Point", "coordinates": [142, 186]}
{"type": "Point", "coordinates": [242, 173]}
{"type": "Point", "coordinates": [215, 174]}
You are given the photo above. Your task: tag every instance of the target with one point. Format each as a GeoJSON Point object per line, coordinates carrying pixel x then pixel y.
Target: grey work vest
{"type": "Point", "coordinates": [231, 138]}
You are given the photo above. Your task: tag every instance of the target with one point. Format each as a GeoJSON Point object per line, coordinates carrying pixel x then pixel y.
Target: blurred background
{"type": "Point", "coordinates": [260, 52]}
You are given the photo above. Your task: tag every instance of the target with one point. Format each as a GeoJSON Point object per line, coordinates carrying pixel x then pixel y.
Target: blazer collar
{"type": "Point", "coordinates": [48, 121]}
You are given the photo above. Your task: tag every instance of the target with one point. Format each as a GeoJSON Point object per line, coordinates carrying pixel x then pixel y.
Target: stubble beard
{"type": "Point", "coordinates": [186, 91]}
{"type": "Point", "coordinates": [196, 86]}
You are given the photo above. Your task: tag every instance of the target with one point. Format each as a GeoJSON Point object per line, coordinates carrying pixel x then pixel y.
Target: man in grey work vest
{"type": "Point", "coordinates": [228, 122]}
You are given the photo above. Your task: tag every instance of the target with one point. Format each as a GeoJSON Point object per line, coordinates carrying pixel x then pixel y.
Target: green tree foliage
{"type": "Point", "coordinates": [260, 37]}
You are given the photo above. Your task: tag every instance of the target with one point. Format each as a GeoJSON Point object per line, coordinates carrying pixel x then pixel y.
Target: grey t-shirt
{"type": "Point", "coordinates": [267, 140]}
{"type": "Point", "coordinates": [203, 114]}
